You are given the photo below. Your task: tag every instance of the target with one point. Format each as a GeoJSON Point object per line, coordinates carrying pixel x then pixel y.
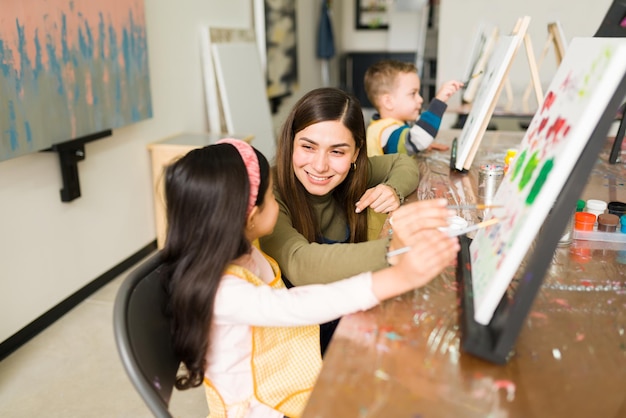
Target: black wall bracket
{"type": "Point", "coordinates": [70, 153]}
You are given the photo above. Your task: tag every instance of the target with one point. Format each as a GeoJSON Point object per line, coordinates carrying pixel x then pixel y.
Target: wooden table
{"type": "Point", "coordinates": [403, 359]}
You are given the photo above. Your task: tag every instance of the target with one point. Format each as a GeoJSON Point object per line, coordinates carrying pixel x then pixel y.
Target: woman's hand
{"type": "Point", "coordinates": [382, 199]}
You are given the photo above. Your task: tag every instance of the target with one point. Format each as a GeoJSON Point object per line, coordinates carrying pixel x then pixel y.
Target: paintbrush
{"type": "Point", "coordinates": [452, 233]}
{"type": "Point", "coordinates": [479, 206]}
{"type": "Point", "coordinates": [473, 76]}
{"type": "Point", "coordinates": [483, 224]}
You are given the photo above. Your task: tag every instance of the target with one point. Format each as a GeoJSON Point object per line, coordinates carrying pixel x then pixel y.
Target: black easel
{"type": "Point", "coordinates": [453, 149]}
{"type": "Point", "coordinates": [614, 26]}
{"type": "Point", "coordinates": [494, 342]}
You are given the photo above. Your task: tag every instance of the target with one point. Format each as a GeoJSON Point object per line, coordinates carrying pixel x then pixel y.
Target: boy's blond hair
{"type": "Point", "coordinates": [379, 78]}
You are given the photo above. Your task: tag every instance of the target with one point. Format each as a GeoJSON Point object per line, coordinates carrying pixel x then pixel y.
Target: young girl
{"type": "Point", "coordinates": [236, 328]}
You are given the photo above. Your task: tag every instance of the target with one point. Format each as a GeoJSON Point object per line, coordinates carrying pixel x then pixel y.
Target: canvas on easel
{"type": "Point", "coordinates": [557, 155]}
{"type": "Point", "coordinates": [481, 52]}
{"type": "Point", "coordinates": [235, 90]}
{"type": "Point", "coordinates": [487, 97]}
{"type": "Point", "coordinates": [579, 94]}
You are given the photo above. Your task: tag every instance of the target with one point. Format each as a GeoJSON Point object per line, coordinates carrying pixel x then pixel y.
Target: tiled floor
{"type": "Point", "coordinates": [72, 369]}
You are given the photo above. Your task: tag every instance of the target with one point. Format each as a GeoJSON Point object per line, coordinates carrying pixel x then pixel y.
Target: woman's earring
{"type": "Point", "coordinates": [353, 166]}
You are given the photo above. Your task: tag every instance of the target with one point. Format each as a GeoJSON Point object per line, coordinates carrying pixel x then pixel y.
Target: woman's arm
{"type": "Point", "coordinates": [303, 263]}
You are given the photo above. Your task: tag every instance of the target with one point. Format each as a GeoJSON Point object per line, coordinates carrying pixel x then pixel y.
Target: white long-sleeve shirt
{"type": "Point", "coordinates": [240, 305]}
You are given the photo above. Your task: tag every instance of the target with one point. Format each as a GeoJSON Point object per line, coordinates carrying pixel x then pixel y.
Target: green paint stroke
{"type": "Point", "coordinates": [539, 182]}
{"type": "Point", "coordinates": [529, 170]}
{"type": "Point", "coordinates": [519, 162]}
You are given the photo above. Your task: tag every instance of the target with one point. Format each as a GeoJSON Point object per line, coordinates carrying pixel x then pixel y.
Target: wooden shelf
{"type": "Point", "coordinates": [163, 153]}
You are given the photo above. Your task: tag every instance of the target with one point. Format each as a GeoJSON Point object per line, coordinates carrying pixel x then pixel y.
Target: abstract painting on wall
{"type": "Point", "coordinates": [282, 51]}
{"type": "Point", "coordinates": [68, 69]}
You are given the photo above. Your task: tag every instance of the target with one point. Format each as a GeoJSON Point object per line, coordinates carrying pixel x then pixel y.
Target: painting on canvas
{"type": "Point", "coordinates": [68, 69]}
{"type": "Point", "coordinates": [485, 100]}
{"type": "Point", "coordinates": [575, 101]}
{"type": "Point", "coordinates": [481, 52]}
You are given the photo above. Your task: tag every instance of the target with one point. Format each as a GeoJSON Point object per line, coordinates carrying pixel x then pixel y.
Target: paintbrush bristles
{"type": "Point", "coordinates": [473, 76]}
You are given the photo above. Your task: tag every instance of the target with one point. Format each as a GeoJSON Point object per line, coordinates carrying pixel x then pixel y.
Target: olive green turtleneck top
{"type": "Point", "coordinates": [303, 262]}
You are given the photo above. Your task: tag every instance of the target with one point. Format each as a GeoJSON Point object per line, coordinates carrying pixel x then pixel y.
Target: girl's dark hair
{"type": "Point", "coordinates": [206, 196]}
{"type": "Point", "coordinates": [319, 105]}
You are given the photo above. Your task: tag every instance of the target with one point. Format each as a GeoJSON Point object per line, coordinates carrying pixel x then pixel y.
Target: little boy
{"type": "Point", "coordinates": [393, 88]}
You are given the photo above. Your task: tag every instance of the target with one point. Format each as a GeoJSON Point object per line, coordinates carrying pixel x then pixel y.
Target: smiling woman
{"type": "Point", "coordinates": [324, 182]}
{"type": "Point", "coordinates": [322, 156]}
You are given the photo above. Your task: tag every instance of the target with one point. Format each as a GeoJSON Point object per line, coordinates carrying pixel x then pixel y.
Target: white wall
{"type": "Point", "coordinates": [460, 20]}
{"type": "Point", "coordinates": [50, 249]}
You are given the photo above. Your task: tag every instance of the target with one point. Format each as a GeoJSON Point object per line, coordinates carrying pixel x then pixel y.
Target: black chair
{"type": "Point", "coordinates": [142, 335]}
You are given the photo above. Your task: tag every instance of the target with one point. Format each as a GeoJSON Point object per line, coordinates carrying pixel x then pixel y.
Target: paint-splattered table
{"type": "Point", "coordinates": [403, 359]}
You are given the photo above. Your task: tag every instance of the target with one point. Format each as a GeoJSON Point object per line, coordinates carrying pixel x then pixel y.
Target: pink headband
{"type": "Point", "coordinates": [251, 162]}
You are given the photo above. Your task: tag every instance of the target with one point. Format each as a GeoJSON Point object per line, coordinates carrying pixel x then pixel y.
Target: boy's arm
{"type": "Point", "coordinates": [448, 89]}
{"type": "Point", "coordinates": [423, 133]}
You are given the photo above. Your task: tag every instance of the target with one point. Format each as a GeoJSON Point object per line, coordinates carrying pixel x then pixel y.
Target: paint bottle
{"type": "Point", "coordinates": [508, 158]}
{"type": "Point", "coordinates": [580, 205]}
{"type": "Point", "coordinates": [584, 221]}
{"type": "Point", "coordinates": [607, 222]}
{"type": "Point", "coordinates": [597, 207]}
{"type": "Point", "coordinates": [616, 208]}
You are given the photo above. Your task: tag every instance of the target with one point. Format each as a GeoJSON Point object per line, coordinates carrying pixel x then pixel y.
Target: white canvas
{"type": "Point", "coordinates": [243, 94]}
{"type": "Point", "coordinates": [576, 99]}
{"type": "Point", "coordinates": [481, 52]}
{"type": "Point", "coordinates": [486, 98]}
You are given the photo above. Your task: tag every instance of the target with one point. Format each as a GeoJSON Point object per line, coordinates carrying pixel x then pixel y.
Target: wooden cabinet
{"type": "Point", "coordinates": [164, 152]}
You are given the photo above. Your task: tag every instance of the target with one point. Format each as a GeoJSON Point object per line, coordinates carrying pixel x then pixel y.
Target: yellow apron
{"type": "Point", "coordinates": [285, 360]}
{"type": "Point", "coordinates": [375, 131]}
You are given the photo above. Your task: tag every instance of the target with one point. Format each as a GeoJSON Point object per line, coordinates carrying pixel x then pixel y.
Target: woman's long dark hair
{"type": "Point", "coordinates": [206, 196]}
{"type": "Point", "coordinates": [319, 105]}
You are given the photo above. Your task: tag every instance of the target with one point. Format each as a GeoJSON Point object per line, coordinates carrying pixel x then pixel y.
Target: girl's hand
{"type": "Point", "coordinates": [432, 252]}
{"type": "Point", "coordinates": [382, 199]}
{"type": "Point", "coordinates": [412, 218]}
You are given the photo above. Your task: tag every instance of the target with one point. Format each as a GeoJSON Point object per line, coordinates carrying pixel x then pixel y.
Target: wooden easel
{"type": "Point", "coordinates": [556, 39]}
{"type": "Point", "coordinates": [521, 28]}
{"type": "Point", "coordinates": [483, 106]}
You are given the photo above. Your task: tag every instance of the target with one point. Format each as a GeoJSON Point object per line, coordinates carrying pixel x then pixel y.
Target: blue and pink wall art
{"type": "Point", "coordinates": [68, 69]}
